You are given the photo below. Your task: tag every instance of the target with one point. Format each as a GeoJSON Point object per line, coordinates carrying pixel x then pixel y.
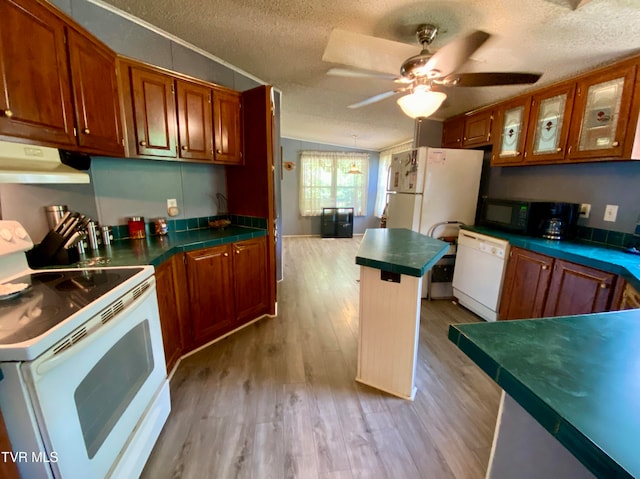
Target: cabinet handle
{"type": "Point", "coordinates": [603, 285]}
{"type": "Point", "coordinates": [237, 251]}
{"type": "Point", "coordinates": [558, 149]}
{"type": "Point", "coordinates": [615, 143]}
{"type": "Point", "coordinates": [8, 113]}
{"type": "Point", "coordinates": [86, 131]}
{"type": "Point", "coordinates": [225, 254]}
{"type": "Point", "coordinates": [218, 150]}
{"type": "Point", "coordinates": [184, 148]}
{"type": "Point", "coordinates": [143, 143]}
{"type": "Point", "coordinates": [545, 266]}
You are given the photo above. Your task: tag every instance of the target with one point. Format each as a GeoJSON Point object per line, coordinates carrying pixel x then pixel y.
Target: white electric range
{"type": "Point", "coordinates": [83, 382]}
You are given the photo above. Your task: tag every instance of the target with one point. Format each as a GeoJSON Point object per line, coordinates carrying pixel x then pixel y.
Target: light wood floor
{"type": "Point", "coordinates": [278, 399]}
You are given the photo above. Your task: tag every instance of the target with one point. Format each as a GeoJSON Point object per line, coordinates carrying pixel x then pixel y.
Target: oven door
{"type": "Point", "coordinates": [90, 397]}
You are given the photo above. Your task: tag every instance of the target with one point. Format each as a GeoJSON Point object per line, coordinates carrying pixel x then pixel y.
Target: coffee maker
{"type": "Point", "coordinates": [556, 220]}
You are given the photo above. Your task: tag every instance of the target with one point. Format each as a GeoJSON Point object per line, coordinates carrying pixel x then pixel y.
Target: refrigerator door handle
{"type": "Point", "coordinates": [389, 177]}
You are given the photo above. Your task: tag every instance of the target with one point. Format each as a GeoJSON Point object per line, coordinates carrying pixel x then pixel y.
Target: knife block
{"type": "Point", "coordinates": [51, 251]}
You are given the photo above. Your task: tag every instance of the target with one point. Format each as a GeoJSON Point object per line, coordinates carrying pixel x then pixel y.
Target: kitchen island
{"type": "Point", "coordinates": [392, 263]}
{"type": "Point", "coordinates": [570, 393]}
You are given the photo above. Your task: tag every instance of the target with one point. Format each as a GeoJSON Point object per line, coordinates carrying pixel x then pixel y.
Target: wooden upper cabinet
{"type": "Point", "coordinates": [526, 284]}
{"type": "Point", "coordinates": [510, 130]}
{"type": "Point", "coordinates": [577, 289]}
{"type": "Point", "coordinates": [549, 123]}
{"type": "Point", "coordinates": [35, 101]}
{"type": "Point", "coordinates": [95, 94]}
{"type": "Point", "coordinates": [195, 127]}
{"type": "Point", "coordinates": [154, 113]}
{"type": "Point", "coordinates": [227, 127]}
{"type": "Point", "coordinates": [477, 129]}
{"type": "Point", "coordinates": [602, 114]}
{"type": "Point", "coordinates": [452, 132]}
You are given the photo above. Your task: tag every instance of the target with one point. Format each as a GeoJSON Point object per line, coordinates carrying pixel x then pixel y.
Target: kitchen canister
{"type": "Point", "coordinates": [136, 227]}
{"type": "Point", "coordinates": [54, 214]}
{"type": "Point", "coordinates": [160, 226]}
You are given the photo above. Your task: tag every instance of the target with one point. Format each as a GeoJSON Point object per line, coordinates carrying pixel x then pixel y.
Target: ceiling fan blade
{"type": "Point", "coordinates": [454, 54]}
{"type": "Point", "coordinates": [357, 73]}
{"type": "Point", "coordinates": [375, 98]}
{"type": "Point", "coordinates": [489, 79]}
{"type": "Point", "coordinates": [366, 52]}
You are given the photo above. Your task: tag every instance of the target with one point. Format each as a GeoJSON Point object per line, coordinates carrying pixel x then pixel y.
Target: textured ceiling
{"type": "Point", "coordinates": [282, 42]}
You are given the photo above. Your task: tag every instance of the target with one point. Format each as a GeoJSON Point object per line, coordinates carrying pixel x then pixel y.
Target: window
{"type": "Point", "coordinates": [383, 167]}
{"type": "Point", "coordinates": [325, 181]}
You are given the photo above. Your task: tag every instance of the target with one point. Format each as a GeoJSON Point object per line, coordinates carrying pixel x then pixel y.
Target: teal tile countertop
{"type": "Point", "coordinates": [154, 250]}
{"type": "Point", "coordinates": [578, 376]}
{"type": "Point", "coordinates": [399, 250]}
{"type": "Point", "coordinates": [607, 259]}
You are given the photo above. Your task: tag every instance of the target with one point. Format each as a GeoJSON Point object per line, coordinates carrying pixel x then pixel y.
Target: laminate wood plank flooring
{"type": "Point", "coordinates": [278, 399]}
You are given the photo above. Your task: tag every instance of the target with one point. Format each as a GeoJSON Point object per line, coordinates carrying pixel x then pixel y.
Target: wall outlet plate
{"type": "Point", "coordinates": [585, 209]}
{"type": "Point", "coordinates": [610, 213]}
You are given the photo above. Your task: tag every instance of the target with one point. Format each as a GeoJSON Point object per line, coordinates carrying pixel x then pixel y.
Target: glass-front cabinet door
{"type": "Point", "coordinates": [511, 130]}
{"type": "Point", "coordinates": [601, 114]}
{"type": "Point", "coordinates": [549, 127]}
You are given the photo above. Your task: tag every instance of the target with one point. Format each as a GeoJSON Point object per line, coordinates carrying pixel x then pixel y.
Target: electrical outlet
{"type": "Point", "coordinates": [610, 213]}
{"type": "Point", "coordinates": [172, 202]}
{"type": "Point", "coordinates": [585, 209]}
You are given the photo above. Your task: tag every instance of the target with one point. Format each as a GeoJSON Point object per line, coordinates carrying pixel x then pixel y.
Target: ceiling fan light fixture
{"type": "Point", "coordinates": [421, 103]}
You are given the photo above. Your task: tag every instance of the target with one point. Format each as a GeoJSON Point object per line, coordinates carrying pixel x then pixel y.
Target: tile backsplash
{"type": "Point", "coordinates": [187, 224]}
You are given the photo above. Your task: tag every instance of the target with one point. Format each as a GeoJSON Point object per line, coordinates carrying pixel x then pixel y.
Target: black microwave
{"type": "Point", "coordinates": [546, 219]}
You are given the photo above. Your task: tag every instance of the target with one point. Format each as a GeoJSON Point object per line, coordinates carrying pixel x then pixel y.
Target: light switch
{"type": "Point", "coordinates": [610, 213]}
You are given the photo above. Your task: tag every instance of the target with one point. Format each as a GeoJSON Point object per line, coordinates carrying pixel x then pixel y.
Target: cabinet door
{"type": "Point", "coordinates": [169, 313]}
{"type": "Point", "coordinates": [525, 285]}
{"type": "Point", "coordinates": [630, 298]}
{"type": "Point", "coordinates": [95, 95]}
{"type": "Point", "coordinates": [549, 124]}
{"type": "Point", "coordinates": [477, 129]}
{"type": "Point", "coordinates": [35, 93]}
{"type": "Point", "coordinates": [510, 132]}
{"type": "Point", "coordinates": [250, 270]}
{"type": "Point", "coordinates": [227, 127]}
{"type": "Point", "coordinates": [211, 298]}
{"type": "Point", "coordinates": [154, 113]}
{"type": "Point", "coordinates": [195, 128]}
{"type": "Point", "coordinates": [452, 132]}
{"type": "Point", "coordinates": [8, 468]}
{"type": "Point", "coordinates": [601, 114]}
{"type": "Point", "coordinates": [577, 289]}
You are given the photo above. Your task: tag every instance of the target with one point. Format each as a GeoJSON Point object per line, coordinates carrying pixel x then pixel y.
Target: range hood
{"type": "Point", "coordinates": [21, 163]}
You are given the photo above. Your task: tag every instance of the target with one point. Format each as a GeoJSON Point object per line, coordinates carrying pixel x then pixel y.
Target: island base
{"type": "Point", "coordinates": [388, 331]}
{"type": "Point", "coordinates": [522, 448]}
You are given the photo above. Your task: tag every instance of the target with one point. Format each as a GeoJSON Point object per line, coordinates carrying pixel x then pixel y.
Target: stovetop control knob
{"type": "Point", "coordinates": [5, 234]}
{"type": "Point", "coordinates": [21, 233]}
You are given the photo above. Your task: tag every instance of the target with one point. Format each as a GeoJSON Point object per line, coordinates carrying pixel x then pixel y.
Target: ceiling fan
{"type": "Point", "coordinates": [424, 74]}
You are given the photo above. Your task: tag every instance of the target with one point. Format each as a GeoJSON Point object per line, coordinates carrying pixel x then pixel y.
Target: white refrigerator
{"type": "Point", "coordinates": [427, 186]}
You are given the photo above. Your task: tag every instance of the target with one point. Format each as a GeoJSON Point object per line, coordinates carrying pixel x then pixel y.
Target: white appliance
{"type": "Point", "coordinates": [433, 189]}
{"type": "Point", "coordinates": [427, 186]}
{"type": "Point", "coordinates": [479, 272]}
{"type": "Point", "coordinates": [83, 383]}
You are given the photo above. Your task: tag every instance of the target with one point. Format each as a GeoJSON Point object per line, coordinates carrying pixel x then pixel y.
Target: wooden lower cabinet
{"type": "Point", "coordinates": [8, 468]}
{"type": "Point", "coordinates": [577, 289]}
{"type": "Point", "coordinates": [227, 287]}
{"type": "Point", "coordinates": [630, 298]}
{"type": "Point", "coordinates": [537, 286]}
{"type": "Point", "coordinates": [167, 289]}
{"type": "Point", "coordinates": [525, 285]}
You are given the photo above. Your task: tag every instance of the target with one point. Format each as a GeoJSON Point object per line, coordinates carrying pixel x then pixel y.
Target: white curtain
{"type": "Point", "coordinates": [383, 167]}
{"type": "Point", "coordinates": [325, 181]}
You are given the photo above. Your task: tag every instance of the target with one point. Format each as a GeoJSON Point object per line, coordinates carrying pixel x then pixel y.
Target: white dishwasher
{"type": "Point", "coordinates": [479, 270]}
